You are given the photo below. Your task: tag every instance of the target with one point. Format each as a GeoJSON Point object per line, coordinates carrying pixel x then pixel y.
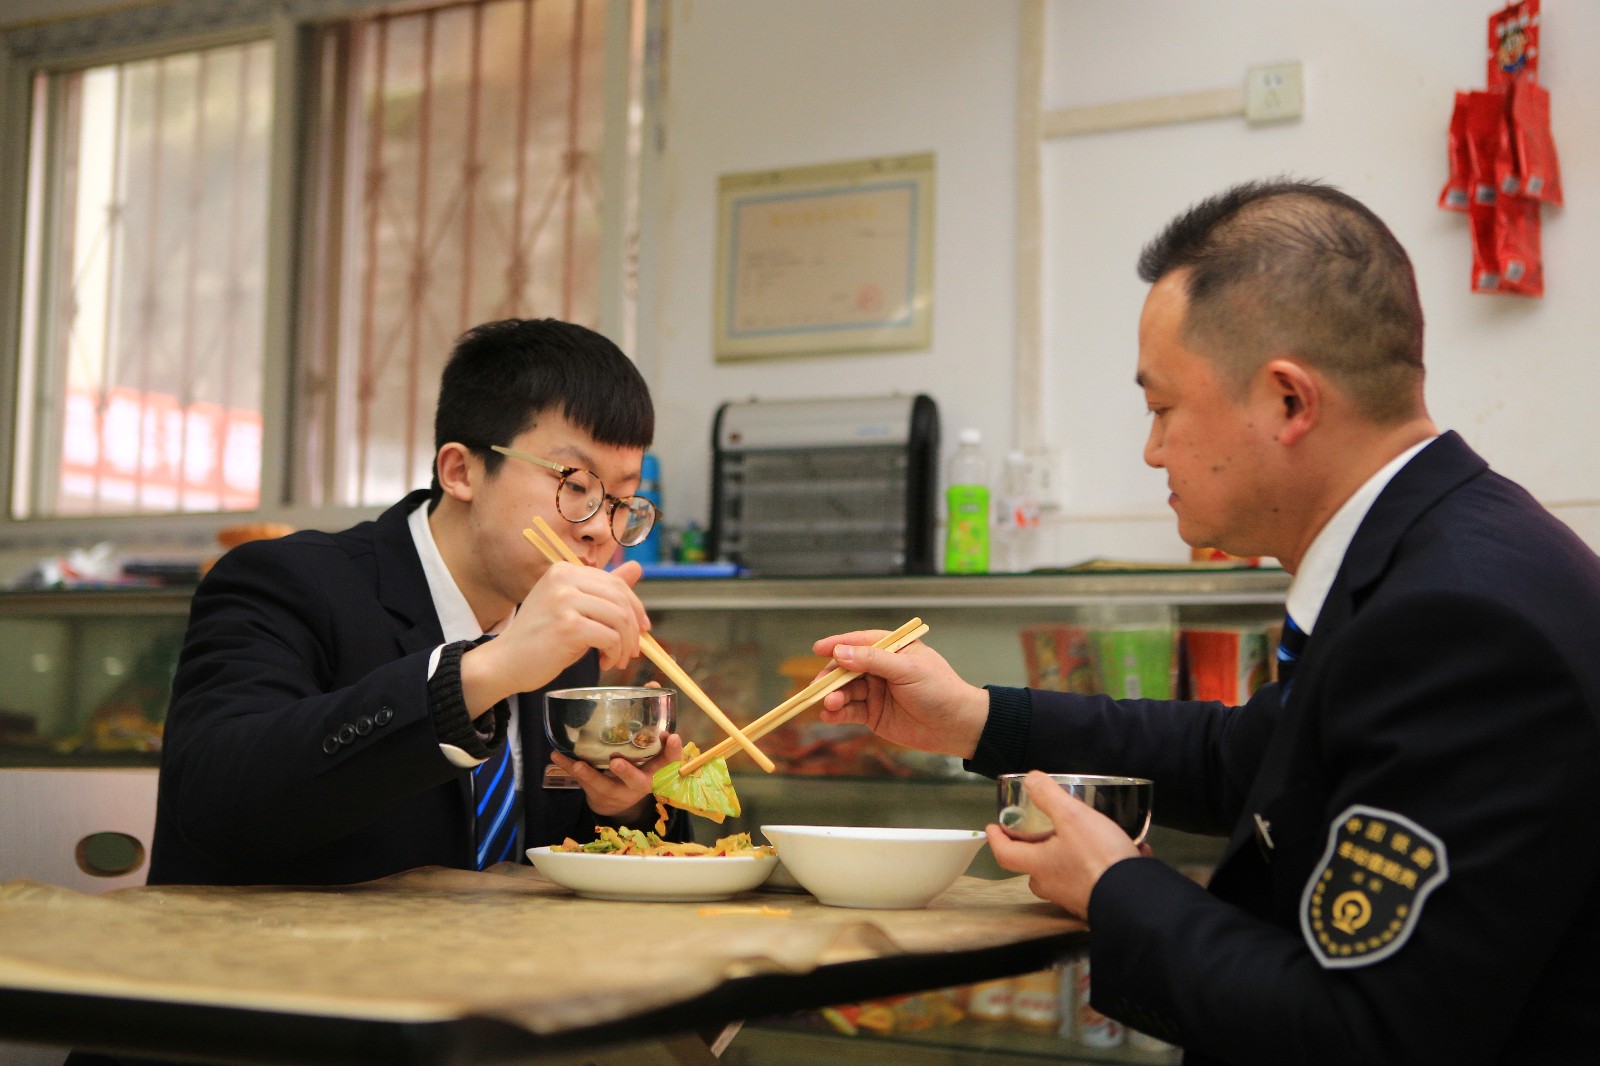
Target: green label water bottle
{"type": "Point", "coordinates": [966, 542]}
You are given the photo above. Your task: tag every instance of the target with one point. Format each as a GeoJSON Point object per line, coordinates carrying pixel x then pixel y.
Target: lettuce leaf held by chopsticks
{"type": "Point", "coordinates": [708, 793]}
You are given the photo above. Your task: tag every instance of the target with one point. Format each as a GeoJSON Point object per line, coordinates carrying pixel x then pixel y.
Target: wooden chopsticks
{"type": "Point", "coordinates": [836, 678]}
{"type": "Point", "coordinates": [556, 550]}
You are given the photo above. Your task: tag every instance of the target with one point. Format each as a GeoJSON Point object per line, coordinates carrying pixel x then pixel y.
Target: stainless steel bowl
{"type": "Point", "coordinates": [1125, 800]}
{"type": "Point", "coordinates": [594, 724]}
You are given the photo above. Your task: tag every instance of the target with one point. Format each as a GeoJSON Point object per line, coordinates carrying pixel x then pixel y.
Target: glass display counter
{"type": "Point", "coordinates": [90, 670]}
{"type": "Point", "coordinates": [88, 673]}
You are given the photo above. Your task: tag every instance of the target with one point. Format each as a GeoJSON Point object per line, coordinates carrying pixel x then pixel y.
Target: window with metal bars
{"type": "Point", "coordinates": [458, 164]}
{"type": "Point", "coordinates": [449, 171]}
{"type": "Point", "coordinates": [147, 216]}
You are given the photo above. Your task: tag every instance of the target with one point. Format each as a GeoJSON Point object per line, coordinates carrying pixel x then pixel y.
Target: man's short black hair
{"type": "Point", "coordinates": [1299, 267]}
{"type": "Point", "coordinates": [502, 375]}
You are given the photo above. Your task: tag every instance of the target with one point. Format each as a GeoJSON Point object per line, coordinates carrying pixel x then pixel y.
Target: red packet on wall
{"type": "Point", "coordinates": [1533, 149]}
{"type": "Point", "coordinates": [1488, 145]}
{"type": "Point", "coordinates": [1507, 254]}
{"type": "Point", "coordinates": [1457, 189]}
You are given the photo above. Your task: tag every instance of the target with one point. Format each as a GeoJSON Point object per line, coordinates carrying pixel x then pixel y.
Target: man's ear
{"type": "Point", "coordinates": [458, 471]}
{"type": "Point", "coordinates": [1297, 394]}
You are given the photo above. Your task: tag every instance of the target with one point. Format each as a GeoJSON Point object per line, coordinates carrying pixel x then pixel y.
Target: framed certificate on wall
{"type": "Point", "coordinates": [830, 258]}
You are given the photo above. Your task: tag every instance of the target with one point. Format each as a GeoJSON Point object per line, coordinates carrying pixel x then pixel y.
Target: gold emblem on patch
{"type": "Point", "coordinates": [1363, 900]}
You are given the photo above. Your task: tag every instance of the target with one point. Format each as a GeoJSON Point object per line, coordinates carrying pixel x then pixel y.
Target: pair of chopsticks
{"type": "Point", "coordinates": [838, 677]}
{"type": "Point", "coordinates": [555, 549]}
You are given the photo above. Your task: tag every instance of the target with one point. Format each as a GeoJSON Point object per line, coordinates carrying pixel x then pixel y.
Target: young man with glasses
{"type": "Point", "coordinates": [335, 694]}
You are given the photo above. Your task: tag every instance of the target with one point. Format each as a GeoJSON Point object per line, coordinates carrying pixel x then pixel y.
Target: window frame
{"type": "Point", "coordinates": [134, 33]}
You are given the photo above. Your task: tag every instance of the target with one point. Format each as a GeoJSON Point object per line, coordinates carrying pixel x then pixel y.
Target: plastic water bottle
{"type": "Point", "coordinates": [649, 549]}
{"type": "Point", "coordinates": [1018, 526]}
{"type": "Point", "coordinates": [966, 543]}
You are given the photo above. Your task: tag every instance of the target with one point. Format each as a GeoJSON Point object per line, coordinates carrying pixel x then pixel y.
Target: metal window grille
{"type": "Point", "coordinates": [142, 381]}
{"type": "Point", "coordinates": [456, 181]}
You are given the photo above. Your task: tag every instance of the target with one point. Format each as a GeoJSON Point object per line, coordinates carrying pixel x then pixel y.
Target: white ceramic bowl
{"type": "Point", "coordinates": [874, 868]}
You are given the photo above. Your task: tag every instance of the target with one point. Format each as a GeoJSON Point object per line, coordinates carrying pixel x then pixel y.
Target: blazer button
{"type": "Point", "coordinates": [363, 725]}
{"type": "Point", "coordinates": [330, 744]}
{"type": "Point", "coordinates": [347, 733]}
{"type": "Point", "coordinates": [384, 716]}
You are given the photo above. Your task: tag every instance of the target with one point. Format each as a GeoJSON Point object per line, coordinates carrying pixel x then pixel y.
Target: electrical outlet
{"type": "Point", "coordinates": [1273, 94]}
{"type": "Point", "coordinates": [1047, 475]}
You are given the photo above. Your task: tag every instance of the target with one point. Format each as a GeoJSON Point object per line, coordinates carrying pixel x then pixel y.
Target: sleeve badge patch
{"type": "Point", "coordinates": [1366, 894]}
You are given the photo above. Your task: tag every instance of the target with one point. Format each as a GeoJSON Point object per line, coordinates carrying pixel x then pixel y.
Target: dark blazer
{"type": "Point", "coordinates": [300, 748]}
{"type": "Point", "coordinates": [1451, 683]}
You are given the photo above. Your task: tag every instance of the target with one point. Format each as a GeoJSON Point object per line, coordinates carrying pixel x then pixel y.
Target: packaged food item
{"type": "Point", "coordinates": [1137, 662]}
{"type": "Point", "coordinates": [923, 1011]}
{"type": "Point", "coordinates": [1514, 44]}
{"type": "Point", "coordinates": [1035, 1000]}
{"type": "Point", "coordinates": [1488, 146]}
{"type": "Point", "coordinates": [990, 1001]}
{"type": "Point", "coordinates": [1507, 252]}
{"type": "Point", "coordinates": [1225, 663]}
{"type": "Point", "coordinates": [1215, 556]}
{"type": "Point", "coordinates": [1533, 148]}
{"type": "Point", "coordinates": [1059, 659]}
{"type": "Point", "coordinates": [842, 1019]}
{"type": "Point", "coordinates": [1457, 191]}
{"type": "Point", "coordinates": [1093, 1029]}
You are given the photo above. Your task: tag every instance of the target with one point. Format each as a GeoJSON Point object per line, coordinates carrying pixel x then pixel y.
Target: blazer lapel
{"type": "Point", "coordinates": [1437, 470]}
{"type": "Point", "coordinates": [402, 586]}
{"type": "Point", "coordinates": [403, 590]}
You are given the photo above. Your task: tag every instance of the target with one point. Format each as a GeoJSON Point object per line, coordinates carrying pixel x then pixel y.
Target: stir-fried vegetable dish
{"type": "Point", "coordinates": [625, 841]}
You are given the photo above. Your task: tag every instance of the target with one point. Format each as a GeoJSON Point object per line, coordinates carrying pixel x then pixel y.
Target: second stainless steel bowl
{"type": "Point", "coordinates": [1125, 800]}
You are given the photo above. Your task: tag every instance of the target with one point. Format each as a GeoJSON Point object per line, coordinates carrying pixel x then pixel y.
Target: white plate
{"type": "Point", "coordinates": [653, 878]}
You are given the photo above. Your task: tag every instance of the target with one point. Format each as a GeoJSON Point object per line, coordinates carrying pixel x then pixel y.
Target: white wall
{"type": "Point", "coordinates": [1514, 375]}
{"type": "Point", "coordinates": [759, 85]}
{"type": "Point", "coordinates": [769, 85]}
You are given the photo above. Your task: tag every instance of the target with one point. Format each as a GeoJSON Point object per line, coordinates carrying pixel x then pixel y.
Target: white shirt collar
{"type": "Point", "coordinates": [1309, 589]}
{"type": "Point", "coordinates": [456, 619]}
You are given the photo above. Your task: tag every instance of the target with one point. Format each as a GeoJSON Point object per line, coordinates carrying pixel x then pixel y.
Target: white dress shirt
{"type": "Point", "coordinates": [457, 622]}
{"type": "Point", "coordinates": [1309, 589]}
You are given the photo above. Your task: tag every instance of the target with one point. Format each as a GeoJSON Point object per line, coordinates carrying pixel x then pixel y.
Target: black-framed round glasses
{"type": "Point", "coordinates": [581, 494]}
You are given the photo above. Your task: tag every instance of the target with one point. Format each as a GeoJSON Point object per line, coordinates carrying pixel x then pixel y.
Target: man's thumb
{"type": "Point", "coordinates": [869, 660]}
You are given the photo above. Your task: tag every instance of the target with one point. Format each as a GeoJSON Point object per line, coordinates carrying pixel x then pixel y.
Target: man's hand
{"type": "Point", "coordinates": [622, 792]}
{"type": "Point", "coordinates": [568, 611]}
{"type": "Point", "coordinates": [1064, 868]}
{"type": "Point", "coordinates": [911, 697]}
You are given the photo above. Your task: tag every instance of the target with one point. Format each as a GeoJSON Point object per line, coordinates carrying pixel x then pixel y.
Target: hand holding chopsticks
{"type": "Point", "coordinates": [555, 549]}
{"type": "Point", "coordinates": [836, 678]}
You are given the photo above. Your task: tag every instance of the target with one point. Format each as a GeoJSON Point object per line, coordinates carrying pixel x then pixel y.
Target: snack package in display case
{"type": "Point", "coordinates": [1224, 663]}
{"type": "Point", "coordinates": [1137, 662]}
{"type": "Point", "coordinates": [1059, 658]}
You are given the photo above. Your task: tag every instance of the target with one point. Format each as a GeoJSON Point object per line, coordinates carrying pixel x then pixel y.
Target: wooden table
{"type": "Point", "coordinates": [439, 966]}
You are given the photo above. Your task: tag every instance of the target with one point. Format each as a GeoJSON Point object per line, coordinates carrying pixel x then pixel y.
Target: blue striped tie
{"type": "Point", "coordinates": [1290, 647]}
{"type": "Point", "coordinates": [495, 787]}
